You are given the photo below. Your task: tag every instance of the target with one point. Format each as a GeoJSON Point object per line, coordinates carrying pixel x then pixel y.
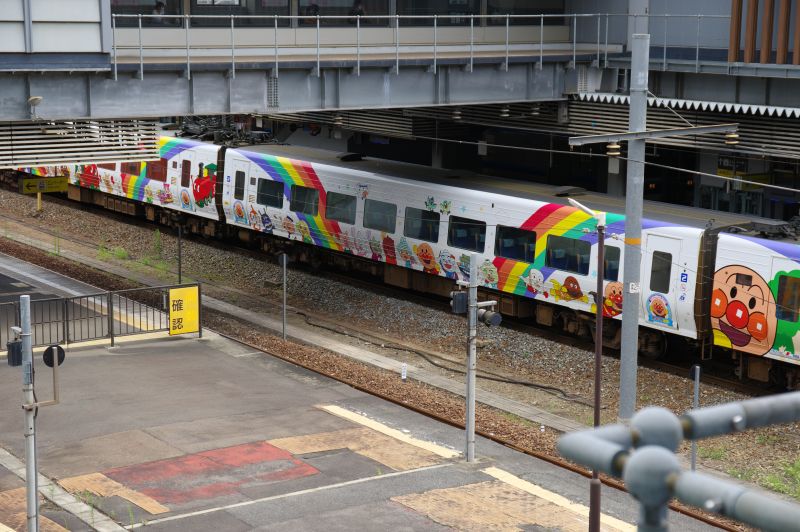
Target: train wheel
{"type": "Point", "coordinates": [652, 344]}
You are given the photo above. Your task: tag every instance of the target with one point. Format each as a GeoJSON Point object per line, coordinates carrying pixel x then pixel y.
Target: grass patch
{"type": "Point", "coordinates": [787, 481]}
{"type": "Point", "coordinates": [746, 474]}
{"type": "Point", "coordinates": [103, 253]}
{"type": "Point", "coordinates": [517, 419]}
{"type": "Point", "coordinates": [120, 253]}
{"type": "Point", "coordinates": [711, 453]}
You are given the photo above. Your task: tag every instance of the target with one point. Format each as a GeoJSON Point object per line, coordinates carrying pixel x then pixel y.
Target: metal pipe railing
{"type": "Point", "coordinates": [466, 40]}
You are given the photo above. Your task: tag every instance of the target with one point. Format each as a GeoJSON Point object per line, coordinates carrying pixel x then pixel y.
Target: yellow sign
{"type": "Point", "coordinates": [184, 310]}
{"type": "Point", "coordinates": [32, 185]}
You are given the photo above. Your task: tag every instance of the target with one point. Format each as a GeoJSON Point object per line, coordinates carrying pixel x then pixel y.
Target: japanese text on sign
{"type": "Point", "coordinates": [184, 310]}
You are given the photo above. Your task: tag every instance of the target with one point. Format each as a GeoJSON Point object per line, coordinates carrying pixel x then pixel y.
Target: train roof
{"type": "Point", "coordinates": [655, 210]}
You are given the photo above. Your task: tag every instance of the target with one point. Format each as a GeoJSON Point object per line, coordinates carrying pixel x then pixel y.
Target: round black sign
{"type": "Point", "coordinates": [48, 357]}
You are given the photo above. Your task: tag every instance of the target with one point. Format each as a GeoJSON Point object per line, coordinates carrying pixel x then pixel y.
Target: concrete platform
{"type": "Point", "coordinates": [206, 434]}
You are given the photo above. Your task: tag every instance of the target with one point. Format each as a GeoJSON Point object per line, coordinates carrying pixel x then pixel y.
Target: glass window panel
{"type": "Point", "coordinates": [153, 9]}
{"type": "Point", "coordinates": [186, 174]}
{"type": "Point", "coordinates": [242, 8]}
{"type": "Point", "coordinates": [611, 263]}
{"type": "Point", "coordinates": [467, 234]}
{"type": "Point", "coordinates": [305, 200]}
{"type": "Point", "coordinates": [131, 168]}
{"type": "Point", "coordinates": [788, 308]}
{"type": "Point", "coordinates": [568, 254]}
{"type": "Point", "coordinates": [108, 166]}
{"type": "Point", "coordinates": [157, 170]}
{"type": "Point", "coordinates": [238, 187]}
{"type": "Point", "coordinates": [380, 215]}
{"type": "Point", "coordinates": [270, 193]}
{"type": "Point", "coordinates": [451, 12]}
{"type": "Point", "coordinates": [524, 7]}
{"type": "Point", "coordinates": [421, 224]}
{"type": "Point", "coordinates": [660, 272]}
{"type": "Point", "coordinates": [341, 207]}
{"type": "Point", "coordinates": [343, 8]}
{"type": "Point", "coordinates": [516, 244]}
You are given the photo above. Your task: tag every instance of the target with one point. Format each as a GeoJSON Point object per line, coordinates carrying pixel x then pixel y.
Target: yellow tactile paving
{"type": "Point", "coordinates": [13, 513]}
{"type": "Point", "coordinates": [493, 505]}
{"type": "Point", "coordinates": [608, 522]}
{"type": "Point", "coordinates": [444, 452]}
{"type": "Point", "coordinates": [102, 486]}
{"type": "Point", "coordinates": [395, 454]}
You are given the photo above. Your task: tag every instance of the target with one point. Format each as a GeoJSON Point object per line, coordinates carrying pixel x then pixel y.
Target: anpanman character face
{"type": "Point", "coordinates": [742, 310]}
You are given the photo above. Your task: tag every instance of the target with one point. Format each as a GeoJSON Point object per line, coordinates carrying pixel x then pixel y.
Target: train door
{"type": "Point", "coordinates": [786, 281]}
{"type": "Point", "coordinates": [660, 279]}
{"type": "Point", "coordinates": [235, 195]}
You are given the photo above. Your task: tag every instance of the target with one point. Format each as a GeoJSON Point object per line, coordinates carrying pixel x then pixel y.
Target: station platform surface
{"type": "Point", "coordinates": [181, 433]}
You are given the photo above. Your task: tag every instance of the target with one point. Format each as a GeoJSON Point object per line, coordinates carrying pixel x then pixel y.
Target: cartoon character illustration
{"type": "Point", "coordinates": [238, 210]}
{"type": "Point", "coordinates": [427, 259]}
{"type": "Point", "coordinates": [266, 222]}
{"type": "Point", "coordinates": [105, 181]}
{"type": "Point", "coordinates": [612, 299]}
{"type": "Point", "coordinates": [796, 343]}
{"type": "Point", "coordinates": [388, 249]}
{"type": "Point", "coordinates": [361, 244]}
{"type": "Point", "coordinates": [430, 203]}
{"type": "Point", "coordinates": [375, 247]}
{"type": "Point", "coordinates": [148, 194]}
{"type": "Point", "coordinates": [487, 274]}
{"type": "Point", "coordinates": [255, 219]}
{"type": "Point", "coordinates": [405, 254]}
{"type": "Point", "coordinates": [203, 191]}
{"type": "Point", "coordinates": [463, 266]}
{"type": "Point", "coordinates": [569, 291]}
{"type": "Point", "coordinates": [289, 227]}
{"type": "Point", "coordinates": [534, 282]}
{"type": "Point", "coordinates": [573, 287]}
{"type": "Point", "coordinates": [448, 263]}
{"type": "Point", "coordinates": [444, 207]}
{"type": "Point", "coordinates": [363, 191]}
{"type": "Point", "coordinates": [742, 310]}
{"type": "Point", "coordinates": [305, 232]}
{"type": "Point", "coordinates": [89, 177]}
{"type": "Point", "coordinates": [658, 309]}
{"type": "Point", "coordinates": [164, 195]}
{"type": "Point", "coordinates": [186, 203]}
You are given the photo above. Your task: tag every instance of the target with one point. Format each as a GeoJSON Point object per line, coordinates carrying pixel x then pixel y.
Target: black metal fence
{"type": "Point", "coordinates": [109, 315]}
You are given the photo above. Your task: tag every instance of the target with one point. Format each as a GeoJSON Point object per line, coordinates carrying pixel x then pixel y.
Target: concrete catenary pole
{"type": "Point", "coordinates": [30, 420]}
{"type": "Point", "coordinates": [637, 121]}
{"type": "Point", "coordinates": [472, 356]}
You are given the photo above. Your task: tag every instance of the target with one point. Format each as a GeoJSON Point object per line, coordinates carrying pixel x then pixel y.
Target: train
{"type": "Point", "coordinates": [723, 284]}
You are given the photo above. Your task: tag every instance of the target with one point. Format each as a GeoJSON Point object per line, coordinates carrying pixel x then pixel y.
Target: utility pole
{"type": "Point", "coordinates": [472, 355]}
{"type": "Point", "coordinates": [30, 419]}
{"type": "Point", "coordinates": [634, 192]}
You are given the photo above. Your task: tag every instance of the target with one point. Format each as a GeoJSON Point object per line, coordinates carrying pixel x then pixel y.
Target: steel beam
{"type": "Point", "coordinates": [654, 134]}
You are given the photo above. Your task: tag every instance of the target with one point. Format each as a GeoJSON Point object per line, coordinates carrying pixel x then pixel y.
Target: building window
{"type": "Point", "coordinates": [305, 200]}
{"type": "Point", "coordinates": [270, 193]}
{"type": "Point", "coordinates": [450, 12]}
{"type": "Point", "coordinates": [421, 224]}
{"type": "Point", "coordinates": [238, 186]}
{"type": "Point", "coordinates": [516, 244]}
{"type": "Point", "coordinates": [157, 170]}
{"type": "Point", "coordinates": [499, 8]}
{"type": "Point", "coordinates": [467, 234]}
{"type": "Point", "coordinates": [223, 9]}
{"type": "Point", "coordinates": [568, 254]}
{"type": "Point", "coordinates": [380, 215]}
{"type": "Point", "coordinates": [660, 272]}
{"type": "Point", "coordinates": [340, 207]}
{"type": "Point", "coordinates": [309, 9]}
{"type": "Point", "coordinates": [153, 12]}
{"type": "Point", "coordinates": [611, 263]}
{"type": "Point", "coordinates": [788, 308]}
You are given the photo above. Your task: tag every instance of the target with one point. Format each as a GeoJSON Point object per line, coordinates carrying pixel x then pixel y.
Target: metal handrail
{"type": "Point", "coordinates": [393, 24]}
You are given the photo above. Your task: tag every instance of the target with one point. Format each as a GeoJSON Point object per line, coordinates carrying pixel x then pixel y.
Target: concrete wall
{"type": "Point", "coordinates": [54, 26]}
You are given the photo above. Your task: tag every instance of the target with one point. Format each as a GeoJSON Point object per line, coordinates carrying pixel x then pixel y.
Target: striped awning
{"type": "Point", "coordinates": [698, 105]}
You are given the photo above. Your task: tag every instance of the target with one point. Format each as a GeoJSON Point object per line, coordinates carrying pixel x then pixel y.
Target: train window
{"type": "Point", "coordinates": [304, 200]}
{"type": "Point", "coordinates": [157, 170]}
{"type": "Point", "coordinates": [788, 306]}
{"type": "Point", "coordinates": [516, 244]}
{"type": "Point", "coordinates": [611, 263]}
{"type": "Point", "coordinates": [270, 193]}
{"type": "Point", "coordinates": [467, 234]}
{"type": "Point", "coordinates": [341, 208]}
{"type": "Point", "coordinates": [568, 254]}
{"type": "Point", "coordinates": [186, 174]}
{"type": "Point", "coordinates": [380, 215]}
{"type": "Point", "coordinates": [108, 166]}
{"type": "Point", "coordinates": [238, 186]}
{"type": "Point", "coordinates": [660, 272]}
{"type": "Point", "coordinates": [131, 168]}
{"type": "Point", "coordinates": [421, 224]}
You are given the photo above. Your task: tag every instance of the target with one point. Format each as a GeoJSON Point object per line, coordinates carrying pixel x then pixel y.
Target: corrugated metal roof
{"type": "Point", "coordinates": [697, 105]}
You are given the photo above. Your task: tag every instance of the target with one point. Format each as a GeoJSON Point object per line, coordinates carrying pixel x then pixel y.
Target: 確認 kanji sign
{"type": "Point", "coordinates": [184, 310]}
